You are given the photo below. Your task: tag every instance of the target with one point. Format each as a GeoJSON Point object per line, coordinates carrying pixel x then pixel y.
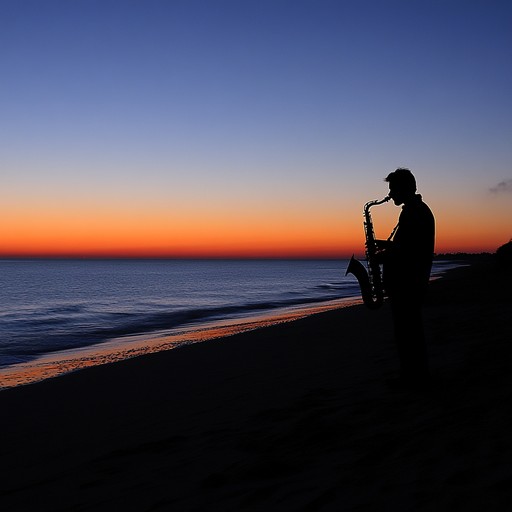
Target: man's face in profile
{"type": "Point", "coordinates": [397, 194]}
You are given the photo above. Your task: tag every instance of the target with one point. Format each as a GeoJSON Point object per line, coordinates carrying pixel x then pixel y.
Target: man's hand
{"type": "Point", "coordinates": [382, 245]}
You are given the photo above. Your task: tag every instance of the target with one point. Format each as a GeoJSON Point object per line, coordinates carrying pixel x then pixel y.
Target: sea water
{"type": "Point", "coordinates": [62, 306]}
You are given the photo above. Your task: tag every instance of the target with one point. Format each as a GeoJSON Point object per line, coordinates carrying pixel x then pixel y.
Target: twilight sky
{"type": "Point", "coordinates": [250, 127]}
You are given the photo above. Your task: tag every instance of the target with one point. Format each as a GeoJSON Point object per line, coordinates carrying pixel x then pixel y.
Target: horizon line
{"type": "Point", "coordinates": [213, 257]}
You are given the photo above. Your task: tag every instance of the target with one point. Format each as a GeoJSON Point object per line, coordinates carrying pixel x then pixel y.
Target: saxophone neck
{"type": "Point", "coordinates": [369, 204]}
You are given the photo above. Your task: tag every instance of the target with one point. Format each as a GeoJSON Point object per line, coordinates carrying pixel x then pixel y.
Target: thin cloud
{"type": "Point", "coordinates": [504, 187]}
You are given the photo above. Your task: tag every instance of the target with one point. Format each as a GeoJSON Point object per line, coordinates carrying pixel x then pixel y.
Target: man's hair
{"type": "Point", "coordinates": [402, 178]}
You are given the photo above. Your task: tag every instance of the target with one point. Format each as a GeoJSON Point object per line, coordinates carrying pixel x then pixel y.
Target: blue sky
{"type": "Point", "coordinates": [262, 104]}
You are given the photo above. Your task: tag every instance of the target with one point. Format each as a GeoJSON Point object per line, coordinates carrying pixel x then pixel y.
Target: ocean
{"type": "Point", "coordinates": [61, 315]}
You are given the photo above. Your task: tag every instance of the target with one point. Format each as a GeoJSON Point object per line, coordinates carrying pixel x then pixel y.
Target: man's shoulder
{"type": "Point", "coordinates": [426, 209]}
{"type": "Point", "coordinates": [420, 205]}
{"type": "Point", "coordinates": [417, 211]}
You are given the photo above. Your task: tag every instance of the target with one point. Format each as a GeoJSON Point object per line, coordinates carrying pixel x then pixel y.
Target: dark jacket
{"type": "Point", "coordinates": [408, 260]}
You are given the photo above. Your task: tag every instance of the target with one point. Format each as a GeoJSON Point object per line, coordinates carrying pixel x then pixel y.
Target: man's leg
{"type": "Point", "coordinates": [410, 341]}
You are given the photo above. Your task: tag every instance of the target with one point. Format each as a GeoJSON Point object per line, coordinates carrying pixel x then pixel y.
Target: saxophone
{"type": "Point", "coordinates": [370, 281]}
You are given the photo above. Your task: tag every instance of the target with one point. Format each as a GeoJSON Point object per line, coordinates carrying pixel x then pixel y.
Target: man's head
{"type": "Point", "coordinates": [402, 185]}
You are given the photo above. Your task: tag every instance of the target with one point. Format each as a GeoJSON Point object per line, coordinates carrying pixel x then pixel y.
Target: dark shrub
{"type": "Point", "coordinates": [504, 255]}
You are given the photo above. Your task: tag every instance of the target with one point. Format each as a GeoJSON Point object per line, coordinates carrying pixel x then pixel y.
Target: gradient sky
{"type": "Point", "coordinates": [250, 127]}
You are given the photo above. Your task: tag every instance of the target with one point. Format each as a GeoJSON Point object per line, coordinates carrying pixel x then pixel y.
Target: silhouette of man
{"type": "Point", "coordinates": [407, 261]}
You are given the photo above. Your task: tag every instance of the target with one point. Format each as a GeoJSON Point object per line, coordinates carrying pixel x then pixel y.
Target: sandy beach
{"type": "Point", "coordinates": [295, 417]}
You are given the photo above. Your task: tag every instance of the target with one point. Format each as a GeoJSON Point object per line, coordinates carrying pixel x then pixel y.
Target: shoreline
{"type": "Point", "coordinates": [59, 363]}
{"type": "Point", "coordinates": [295, 416]}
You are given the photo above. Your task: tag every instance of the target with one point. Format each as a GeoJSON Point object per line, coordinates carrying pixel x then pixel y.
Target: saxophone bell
{"type": "Point", "coordinates": [356, 268]}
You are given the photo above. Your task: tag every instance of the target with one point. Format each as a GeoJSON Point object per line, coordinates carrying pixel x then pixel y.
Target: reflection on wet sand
{"type": "Point", "coordinates": [59, 363]}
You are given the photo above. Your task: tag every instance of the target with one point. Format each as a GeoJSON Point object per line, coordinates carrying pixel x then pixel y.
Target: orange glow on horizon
{"type": "Point", "coordinates": [235, 247]}
{"type": "Point", "coordinates": [223, 233]}
{"type": "Point", "coordinates": [244, 237]}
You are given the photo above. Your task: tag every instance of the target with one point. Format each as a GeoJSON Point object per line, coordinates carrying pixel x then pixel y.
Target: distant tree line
{"type": "Point", "coordinates": [502, 256]}
{"type": "Point", "coordinates": [463, 256]}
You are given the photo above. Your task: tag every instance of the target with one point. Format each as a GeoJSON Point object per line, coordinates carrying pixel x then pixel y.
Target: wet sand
{"type": "Point", "coordinates": [291, 417]}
